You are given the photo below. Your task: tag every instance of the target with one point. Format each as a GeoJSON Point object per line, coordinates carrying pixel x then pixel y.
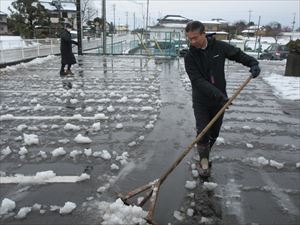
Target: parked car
{"type": "Point", "coordinates": [275, 52]}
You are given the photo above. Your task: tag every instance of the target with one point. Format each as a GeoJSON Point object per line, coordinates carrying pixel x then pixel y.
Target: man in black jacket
{"type": "Point", "coordinates": [67, 56]}
{"type": "Point", "coordinates": [204, 64]}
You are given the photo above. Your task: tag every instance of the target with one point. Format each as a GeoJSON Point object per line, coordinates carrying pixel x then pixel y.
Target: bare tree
{"type": "Point", "coordinates": [88, 11]}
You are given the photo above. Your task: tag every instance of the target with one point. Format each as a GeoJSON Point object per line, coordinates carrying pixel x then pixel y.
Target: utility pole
{"type": "Point", "coordinates": [293, 25]}
{"type": "Point", "coordinates": [147, 15]}
{"type": "Point", "coordinates": [114, 9]}
{"type": "Point", "coordinates": [134, 21]}
{"type": "Point", "coordinates": [79, 30]}
{"type": "Point", "coordinates": [104, 25]}
{"type": "Point", "coordinates": [127, 26]}
{"type": "Point", "coordinates": [250, 11]}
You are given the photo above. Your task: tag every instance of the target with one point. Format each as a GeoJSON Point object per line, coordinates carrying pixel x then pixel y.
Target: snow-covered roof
{"type": "Point", "coordinates": [209, 22]}
{"type": "Point", "coordinates": [68, 6]}
{"type": "Point", "coordinates": [48, 6]}
{"type": "Point", "coordinates": [248, 31]}
{"type": "Point", "coordinates": [216, 32]}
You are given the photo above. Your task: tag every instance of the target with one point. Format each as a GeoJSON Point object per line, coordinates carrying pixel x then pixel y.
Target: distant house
{"type": "Point", "coordinates": [3, 23]}
{"type": "Point", "coordinates": [252, 30]}
{"type": "Point", "coordinates": [66, 9]}
{"type": "Point", "coordinates": [170, 26]}
{"type": "Point", "coordinates": [174, 25]}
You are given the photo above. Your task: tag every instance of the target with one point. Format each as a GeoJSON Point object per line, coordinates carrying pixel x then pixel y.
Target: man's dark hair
{"type": "Point", "coordinates": [194, 26]}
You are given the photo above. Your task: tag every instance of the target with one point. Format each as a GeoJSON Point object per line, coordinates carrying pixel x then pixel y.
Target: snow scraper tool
{"type": "Point", "coordinates": [153, 187]}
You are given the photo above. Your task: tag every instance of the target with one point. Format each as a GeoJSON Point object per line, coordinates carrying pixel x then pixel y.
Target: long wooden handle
{"type": "Point", "coordinates": [200, 135]}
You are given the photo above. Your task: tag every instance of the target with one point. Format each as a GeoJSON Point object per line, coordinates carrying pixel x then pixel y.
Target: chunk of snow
{"type": "Point", "coordinates": [44, 175]}
{"type": "Point", "coordinates": [210, 185]}
{"type": "Point", "coordinates": [70, 126]}
{"type": "Point", "coordinates": [119, 126]}
{"type": "Point", "coordinates": [23, 151]}
{"type": "Point", "coordinates": [6, 151]}
{"type": "Point", "coordinates": [21, 127]}
{"type": "Point", "coordinates": [100, 108]}
{"type": "Point", "coordinates": [36, 207]}
{"type": "Point", "coordinates": [147, 108]}
{"type": "Point", "coordinates": [7, 205]}
{"type": "Point", "coordinates": [195, 173]}
{"type": "Point", "coordinates": [88, 152]}
{"type": "Point", "coordinates": [74, 153]}
{"type": "Point", "coordinates": [190, 184]}
{"type": "Point", "coordinates": [276, 164]}
{"type": "Point", "coordinates": [80, 139]}
{"type": "Point", "coordinates": [110, 108]}
{"type": "Point", "coordinates": [73, 101]}
{"type": "Point", "coordinates": [249, 145]}
{"type": "Point", "coordinates": [246, 128]}
{"type": "Point", "coordinates": [220, 140]}
{"type": "Point", "coordinates": [190, 212]}
{"type": "Point", "coordinates": [89, 109]}
{"type": "Point", "coordinates": [100, 116]}
{"type": "Point", "coordinates": [23, 212]}
{"type": "Point", "coordinates": [96, 126]}
{"type": "Point", "coordinates": [58, 152]}
{"type": "Point", "coordinates": [178, 215]}
{"type": "Point", "coordinates": [105, 155]}
{"type": "Point", "coordinates": [298, 165]}
{"type": "Point", "coordinates": [131, 144]}
{"type": "Point", "coordinates": [6, 117]}
{"type": "Point", "coordinates": [118, 213]}
{"type": "Point", "coordinates": [114, 167]}
{"type": "Point", "coordinates": [67, 208]}
{"type": "Point", "coordinates": [141, 138]}
{"type": "Point", "coordinates": [30, 139]}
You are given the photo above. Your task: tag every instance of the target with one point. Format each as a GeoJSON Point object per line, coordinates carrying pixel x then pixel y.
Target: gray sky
{"type": "Point", "coordinates": [281, 11]}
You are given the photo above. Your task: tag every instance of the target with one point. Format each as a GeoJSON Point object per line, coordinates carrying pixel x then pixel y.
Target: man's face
{"type": "Point", "coordinates": [196, 39]}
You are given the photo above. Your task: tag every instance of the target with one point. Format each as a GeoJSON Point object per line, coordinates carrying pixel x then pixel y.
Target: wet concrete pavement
{"type": "Point", "coordinates": [158, 124]}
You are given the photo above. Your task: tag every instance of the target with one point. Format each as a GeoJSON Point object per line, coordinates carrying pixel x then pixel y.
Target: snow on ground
{"type": "Point", "coordinates": [284, 87]}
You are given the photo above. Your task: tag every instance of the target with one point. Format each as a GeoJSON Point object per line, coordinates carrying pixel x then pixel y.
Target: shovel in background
{"type": "Point", "coordinates": [153, 187]}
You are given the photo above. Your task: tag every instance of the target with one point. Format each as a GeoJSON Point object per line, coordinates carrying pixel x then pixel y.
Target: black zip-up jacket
{"type": "Point", "coordinates": [205, 69]}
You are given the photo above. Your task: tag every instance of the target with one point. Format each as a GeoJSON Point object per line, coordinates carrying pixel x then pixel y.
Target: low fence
{"type": "Point", "coordinates": [151, 44]}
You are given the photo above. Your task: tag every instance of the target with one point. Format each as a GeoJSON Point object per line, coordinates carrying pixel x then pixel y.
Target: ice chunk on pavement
{"type": "Point", "coordinates": [262, 161]}
{"type": "Point", "coordinates": [118, 213]}
{"type": "Point", "coordinates": [6, 151]}
{"type": "Point", "coordinates": [141, 138]}
{"type": "Point", "coordinates": [220, 140]}
{"type": "Point", "coordinates": [190, 212]}
{"type": "Point", "coordinates": [6, 117]}
{"type": "Point", "coordinates": [74, 153]}
{"type": "Point", "coordinates": [80, 139]}
{"type": "Point", "coordinates": [67, 208]}
{"type": "Point", "coordinates": [70, 126]}
{"type": "Point", "coordinates": [88, 152]}
{"type": "Point", "coordinates": [114, 167]}
{"type": "Point", "coordinates": [147, 108]}
{"type": "Point", "coordinates": [21, 127]}
{"type": "Point", "coordinates": [131, 144]}
{"type": "Point", "coordinates": [100, 108]}
{"type": "Point", "coordinates": [178, 215]}
{"type": "Point", "coordinates": [31, 139]}
{"type": "Point", "coordinates": [210, 185]}
{"type": "Point", "coordinates": [105, 155]}
{"type": "Point", "coordinates": [246, 128]}
{"type": "Point", "coordinates": [110, 108]}
{"type": "Point", "coordinates": [23, 212]}
{"type": "Point", "coordinates": [119, 126]}
{"type": "Point", "coordinates": [44, 175]}
{"type": "Point", "coordinates": [195, 173]}
{"type": "Point", "coordinates": [96, 126]}
{"type": "Point", "coordinates": [88, 109]}
{"type": "Point", "coordinates": [36, 207]}
{"type": "Point", "coordinates": [249, 145]}
{"type": "Point", "coordinates": [100, 116]}
{"type": "Point", "coordinates": [276, 164]}
{"type": "Point", "coordinates": [298, 165]}
{"type": "Point", "coordinates": [58, 152]}
{"type": "Point", "coordinates": [43, 154]}
{"type": "Point", "coordinates": [23, 151]}
{"type": "Point", "coordinates": [7, 205]}
{"type": "Point", "coordinates": [190, 184]}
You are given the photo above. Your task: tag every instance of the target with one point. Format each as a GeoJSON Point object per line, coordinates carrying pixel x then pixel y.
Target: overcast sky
{"type": "Point", "coordinates": [281, 11]}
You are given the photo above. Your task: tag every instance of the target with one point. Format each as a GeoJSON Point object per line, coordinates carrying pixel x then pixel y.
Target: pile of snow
{"type": "Point", "coordinates": [67, 208]}
{"type": "Point", "coordinates": [80, 139]}
{"type": "Point", "coordinates": [96, 126]}
{"type": "Point", "coordinates": [261, 161]}
{"type": "Point", "coordinates": [118, 213]}
{"type": "Point", "coordinates": [190, 184]}
{"type": "Point", "coordinates": [58, 152]}
{"type": "Point", "coordinates": [23, 212]}
{"type": "Point", "coordinates": [31, 139]}
{"type": "Point", "coordinates": [210, 185]}
{"type": "Point", "coordinates": [70, 126]}
{"type": "Point", "coordinates": [123, 159]}
{"type": "Point", "coordinates": [7, 205]}
{"type": "Point", "coordinates": [5, 152]}
{"type": "Point", "coordinates": [284, 87]}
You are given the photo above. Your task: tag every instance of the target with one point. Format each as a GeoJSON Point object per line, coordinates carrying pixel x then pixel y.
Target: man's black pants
{"type": "Point", "coordinates": [203, 115]}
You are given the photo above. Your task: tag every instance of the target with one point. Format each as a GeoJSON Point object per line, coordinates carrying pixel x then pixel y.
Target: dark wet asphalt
{"type": "Point", "coordinates": [246, 193]}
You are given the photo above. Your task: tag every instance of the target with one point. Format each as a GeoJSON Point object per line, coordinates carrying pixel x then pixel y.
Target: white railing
{"type": "Point", "coordinates": [18, 50]}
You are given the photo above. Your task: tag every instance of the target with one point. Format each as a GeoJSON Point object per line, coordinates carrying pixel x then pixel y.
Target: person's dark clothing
{"type": "Point", "coordinates": [67, 57]}
{"type": "Point", "coordinates": [205, 68]}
